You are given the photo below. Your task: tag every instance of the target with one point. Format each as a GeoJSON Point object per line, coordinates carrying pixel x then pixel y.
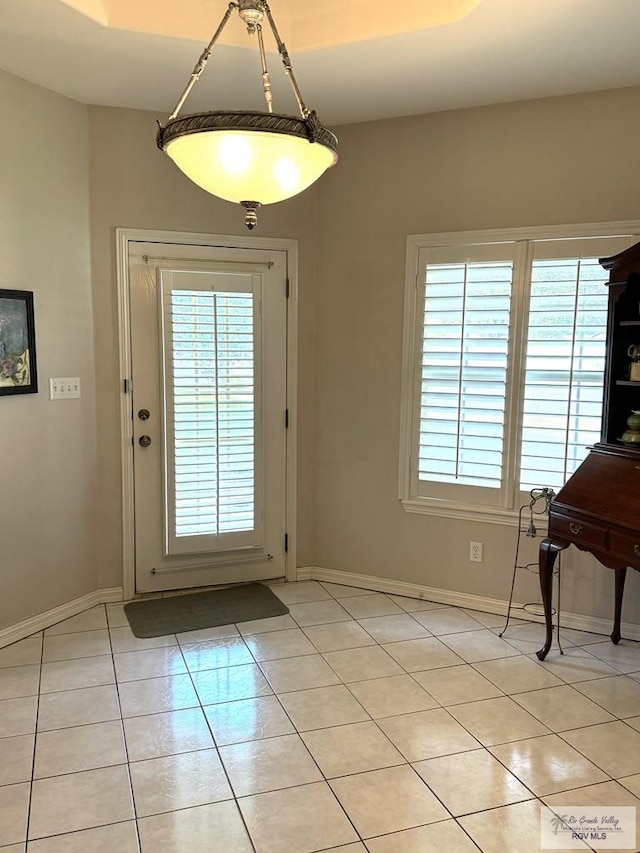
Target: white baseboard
{"type": "Point", "coordinates": [593, 624]}
{"type": "Point", "coordinates": [64, 611]}
{"type": "Point", "coordinates": [579, 621]}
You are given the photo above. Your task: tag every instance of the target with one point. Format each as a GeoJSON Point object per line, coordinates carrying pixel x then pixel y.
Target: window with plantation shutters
{"type": "Point", "coordinates": [504, 358]}
{"type": "Point", "coordinates": [212, 411]}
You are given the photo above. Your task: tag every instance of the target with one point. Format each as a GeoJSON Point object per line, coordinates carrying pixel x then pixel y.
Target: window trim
{"type": "Point", "coordinates": [411, 502]}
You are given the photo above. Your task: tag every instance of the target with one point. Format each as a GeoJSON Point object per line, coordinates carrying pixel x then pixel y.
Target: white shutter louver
{"type": "Point", "coordinates": [465, 344]}
{"type": "Point", "coordinates": [565, 357]}
{"type": "Point", "coordinates": [211, 396]}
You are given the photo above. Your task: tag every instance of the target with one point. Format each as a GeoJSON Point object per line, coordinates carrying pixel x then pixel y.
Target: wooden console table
{"type": "Point", "coordinates": [597, 511]}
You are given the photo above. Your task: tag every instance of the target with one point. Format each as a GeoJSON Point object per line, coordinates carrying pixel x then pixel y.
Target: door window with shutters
{"type": "Point", "coordinates": [212, 400]}
{"type": "Point", "coordinates": [504, 364]}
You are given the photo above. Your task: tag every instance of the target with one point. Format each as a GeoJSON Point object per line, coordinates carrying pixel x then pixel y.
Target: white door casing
{"type": "Point", "coordinates": [177, 532]}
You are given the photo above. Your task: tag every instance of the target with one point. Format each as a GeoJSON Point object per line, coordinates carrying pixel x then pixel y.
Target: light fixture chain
{"type": "Point", "coordinates": [200, 64]}
{"type": "Point", "coordinates": [286, 61]}
{"type": "Point", "coordinates": [266, 79]}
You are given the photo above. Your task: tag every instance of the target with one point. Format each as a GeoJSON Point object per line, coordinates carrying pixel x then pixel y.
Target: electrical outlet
{"type": "Point", "coordinates": [475, 552]}
{"type": "Point", "coordinates": [64, 388]}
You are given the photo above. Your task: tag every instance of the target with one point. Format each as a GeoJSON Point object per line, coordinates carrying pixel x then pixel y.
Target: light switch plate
{"type": "Point", "coordinates": [64, 388]}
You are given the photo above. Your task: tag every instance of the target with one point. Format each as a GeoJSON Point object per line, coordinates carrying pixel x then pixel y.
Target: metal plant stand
{"type": "Point", "coordinates": [538, 505]}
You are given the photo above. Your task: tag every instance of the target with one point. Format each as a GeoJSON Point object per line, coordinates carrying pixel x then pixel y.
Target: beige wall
{"type": "Point", "coordinates": [48, 473]}
{"type": "Point", "coordinates": [558, 161]}
{"type": "Point", "coordinates": [548, 162]}
{"type": "Point", "coordinates": [134, 185]}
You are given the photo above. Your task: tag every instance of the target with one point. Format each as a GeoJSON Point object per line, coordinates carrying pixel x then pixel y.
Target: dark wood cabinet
{"type": "Point", "coordinates": [598, 510]}
{"type": "Point", "coordinates": [621, 394]}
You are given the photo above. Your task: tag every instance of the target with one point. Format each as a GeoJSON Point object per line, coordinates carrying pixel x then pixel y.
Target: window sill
{"type": "Point", "coordinates": [468, 512]}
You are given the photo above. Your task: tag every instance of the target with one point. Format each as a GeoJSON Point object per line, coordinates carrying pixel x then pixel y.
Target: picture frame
{"type": "Point", "coordinates": [18, 367]}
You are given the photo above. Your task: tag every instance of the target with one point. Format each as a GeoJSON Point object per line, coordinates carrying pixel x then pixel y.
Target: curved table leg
{"type": "Point", "coordinates": [546, 559]}
{"type": "Point", "coordinates": [621, 575]}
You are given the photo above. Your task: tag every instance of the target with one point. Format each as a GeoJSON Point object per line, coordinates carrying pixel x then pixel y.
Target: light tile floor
{"type": "Point", "coordinates": [360, 723]}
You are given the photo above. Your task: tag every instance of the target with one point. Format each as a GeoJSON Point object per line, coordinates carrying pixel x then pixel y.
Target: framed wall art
{"type": "Point", "coordinates": [18, 374]}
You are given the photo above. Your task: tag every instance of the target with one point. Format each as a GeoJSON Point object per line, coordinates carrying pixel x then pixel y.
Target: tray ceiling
{"type": "Point", "coordinates": [355, 60]}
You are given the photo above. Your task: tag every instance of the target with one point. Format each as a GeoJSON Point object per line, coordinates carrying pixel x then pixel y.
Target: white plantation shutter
{"type": "Point", "coordinates": [504, 363]}
{"type": "Point", "coordinates": [564, 369]}
{"type": "Point", "coordinates": [565, 358]}
{"type": "Point", "coordinates": [212, 411]}
{"type": "Point", "coordinates": [464, 341]}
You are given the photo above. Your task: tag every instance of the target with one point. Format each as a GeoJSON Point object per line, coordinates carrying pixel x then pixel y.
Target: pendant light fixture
{"type": "Point", "coordinates": [251, 158]}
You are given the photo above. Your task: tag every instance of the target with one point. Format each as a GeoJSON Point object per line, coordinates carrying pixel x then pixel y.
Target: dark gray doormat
{"type": "Point", "coordinates": [157, 617]}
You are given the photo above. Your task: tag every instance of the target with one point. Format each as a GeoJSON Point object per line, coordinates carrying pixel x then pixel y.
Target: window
{"type": "Point", "coordinates": [212, 400]}
{"type": "Point", "coordinates": [564, 368]}
{"type": "Point", "coordinates": [503, 364]}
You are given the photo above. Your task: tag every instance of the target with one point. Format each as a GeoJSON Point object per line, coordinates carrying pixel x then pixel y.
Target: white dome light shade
{"type": "Point", "coordinates": [247, 157]}
{"type": "Point", "coordinates": [260, 158]}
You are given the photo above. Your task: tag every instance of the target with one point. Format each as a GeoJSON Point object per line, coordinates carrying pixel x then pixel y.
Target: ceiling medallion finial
{"type": "Point", "coordinates": [251, 12]}
{"type": "Point", "coordinates": [250, 158]}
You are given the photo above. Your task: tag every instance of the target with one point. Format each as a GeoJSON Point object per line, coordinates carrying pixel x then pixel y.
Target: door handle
{"type": "Point", "coordinates": [144, 440]}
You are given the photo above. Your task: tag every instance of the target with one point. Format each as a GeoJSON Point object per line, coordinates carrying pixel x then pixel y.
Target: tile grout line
{"type": "Point", "coordinates": [35, 742]}
{"type": "Point", "coordinates": [302, 740]}
{"type": "Point", "coordinates": [299, 734]}
{"type": "Point", "coordinates": [213, 739]}
{"type": "Point", "coordinates": [99, 826]}
{"type": "Point", "coordinates": [124, 736]}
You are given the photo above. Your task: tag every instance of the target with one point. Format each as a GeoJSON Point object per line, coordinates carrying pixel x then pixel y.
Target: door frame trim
{"type": "Point", "coordinates": [126, 236]}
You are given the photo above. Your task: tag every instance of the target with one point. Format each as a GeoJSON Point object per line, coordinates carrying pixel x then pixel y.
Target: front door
{"type": "Point", "coordinates": [208, 352]}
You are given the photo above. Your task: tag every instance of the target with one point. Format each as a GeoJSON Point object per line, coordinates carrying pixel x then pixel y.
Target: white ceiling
{"type": "Point", "coordinates": [502, 50]}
